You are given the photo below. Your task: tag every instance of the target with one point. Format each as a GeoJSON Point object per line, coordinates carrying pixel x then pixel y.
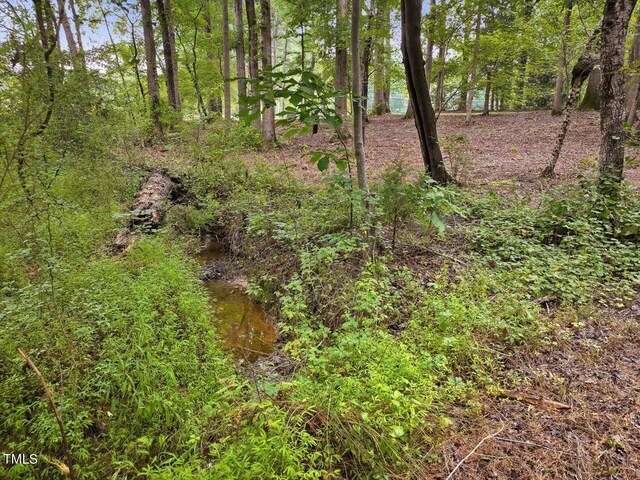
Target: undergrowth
{"type": "Point", "coordinates": [382, 352]}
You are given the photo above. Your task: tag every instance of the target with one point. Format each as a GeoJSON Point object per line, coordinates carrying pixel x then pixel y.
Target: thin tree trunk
{"type": "Point", "coordinates": [252, 30]}
{"type": "Point", "coordinates": [68, 33]}
{"type": "Point", "coordinates": [474, 69]}
{"type": "Point", "coordinates": [356, 93]}
{"type": "Point", "coordinates": [152, 73]}
{"type": "Point", "coordinates": [214, 102]}
{"type": "Point", "coordinates": [562, 60]}
{"type": "Point", "coordinates": [340, 79]}
{"type": "Point", "coordinates": [487, 93]}
{"type": "Point", "coordinates": [579, 74]}
{"type": "Point", "coordinates": [115, 54]}
{"type": "Point", "coordinates": [226, 69]}
{"type": "Point", "coordinates": [240, 60]}
{"type": "Point", "coordinates": [424, 115]}
{"type": "Point", "coordinates": [615, 23]}
{"type": "Point", "coordinates": [428, 64]}
{"type": "Point", "coordinates": [78, 27]}
{"type": "Point", "coordinates": [633, 83]}
{"type": "Point", "coordinates": [442, 54]}
{"type": "Point", "coordinates": [366, 62]}
{"type": "Point", "coordinates": [268, 115]}
{"type": "Point", "coordinates": [169, 52]}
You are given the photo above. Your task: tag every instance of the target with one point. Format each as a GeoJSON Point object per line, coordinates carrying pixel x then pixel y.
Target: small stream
{"type": "Point", "coordinates": [243, 325]}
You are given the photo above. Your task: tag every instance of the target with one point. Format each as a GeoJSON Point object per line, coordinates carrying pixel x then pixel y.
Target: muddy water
{"type": "Point", "coordinates": [243, 325]}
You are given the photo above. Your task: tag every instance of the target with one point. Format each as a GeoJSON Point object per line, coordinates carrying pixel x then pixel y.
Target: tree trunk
{"type": "Point", "coordinates": [356, 97]}
{"type": "Point", "coordinates": [169, 52]}
{"type": "Point", "coordinates": [428, 64]}
{"type": "Point", "coordinates": [366, 62]}
{"type": "Point", "coordinates": [527, 12]}
{"type": "Point", "coordinates": [487, 94]}
{"type": "Point", "coordinates": [252, 29]}
{"type": "Point", "coordinates": [633, 83]}
{"type": "Point", "coordinates": [474, 69]}
{"type": "Point", "coordinates": [152, 73]}
{"type": "Point", "coordinates": [591, 99]}
{"type": "Point", "coordinates": [442, 54]}
{"type": "Point", "coordinates": [340, 79]}
{"type": "Point", "coordinates": [240, 61]}
{"type": "Point", "coordinates": [562, 60]}
{"type": "Point", "coordinates": [424, 115]}
{"type": "Point", "coordinates": [268, 115]}
{"type": "Point", "coordinates": [615, 23]}
{"type": "Point", "coordinates": [78, 27]}
{"type": "Point", "coordinates": [226, 68]}
{"type": "Point", "coordinates": [582, 69]}
{"type": "Point", "coordinates": [68, 33]}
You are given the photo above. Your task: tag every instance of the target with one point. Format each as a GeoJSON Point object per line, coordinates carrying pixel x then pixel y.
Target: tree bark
{"type": "Point", "coordinates": [366, 62]}
{"type": "Point", "coordinates": [169, 51]}
{"type": "Point", "coordinates": [615, 23]}
{"type": "Point", "coordinates": [380, 105]}
{"type": "Point", "coordinates": [582, 69]}
{"type": "Point", "coordinates": [442, 54]}
{"type": "Point", "coordinates": [252, 30]}
{"type": "Point", "coordinates": [226, 69]}
{"type": "Point", "coordinates": [240, 60]}
{"type": "Point", "coordinates": [356, 97]}
{"type": "Point", "coordinates": [268, 115]}
{"type": "Point", "coordinates": [152, 73]}
{"type": "Point", "coordinates": [591, 99]}
{"type": "Point", "coordinates": [487, 94]}
{"type": "Point", "coordinates": [424, 115]}
{"type": "Point", "coordinates": [78, 27]}
{"type": "Point", "coordinates": [340, 79]}
{"type": "Point", "coordinates": [633, 82]}
{"type": "Point", "coordinates": [68, 32]}
{"type": "Point", "coordinates": [474, 69]}
{"type": "Point", "coordinates": [562, 60]}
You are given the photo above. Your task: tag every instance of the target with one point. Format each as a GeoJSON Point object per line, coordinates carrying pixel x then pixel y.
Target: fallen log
{"type": "Point", "coordinates": [148, 208]}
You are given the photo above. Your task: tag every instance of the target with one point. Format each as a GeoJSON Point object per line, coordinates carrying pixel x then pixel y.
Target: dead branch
{"type": "Point", "coordinates": [49, 394]}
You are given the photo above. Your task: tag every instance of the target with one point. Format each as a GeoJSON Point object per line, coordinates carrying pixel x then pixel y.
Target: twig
{"type": "Point", "coordinates": [49, 395]}
{"type": "Point", "coordinates": [473, 451]}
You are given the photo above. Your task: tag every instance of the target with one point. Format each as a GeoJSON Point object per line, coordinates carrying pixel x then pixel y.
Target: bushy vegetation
{"type": "Point", "coordinates": [381, 350]}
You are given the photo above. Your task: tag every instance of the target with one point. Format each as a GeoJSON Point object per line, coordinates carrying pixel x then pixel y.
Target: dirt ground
{"type": "Point", "coordinates": [597, 373]}
{"type": "Point", "coordinates": [503, 148]}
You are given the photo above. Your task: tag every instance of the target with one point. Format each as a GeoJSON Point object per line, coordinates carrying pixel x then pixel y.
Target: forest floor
{"type": "Point", "coordinates": [508, 148]}
{"type": "Point", "coordinates": [594, 370]}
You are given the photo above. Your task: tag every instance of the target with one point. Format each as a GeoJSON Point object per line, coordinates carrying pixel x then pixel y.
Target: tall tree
{"type": "Point", "coordinates": [240, 60]}
{"type": "Point", "coordinates": [152, 72]}
{"type": "Point", "coordinates": [380, 102]}
{"type": "Point", "coordinates": [269, 113]}
{"type": "Point", "coordinates": [633, 83]}
{"type": "Point", "coordinates": [77, 22]}
{"type": "Point", "coordinates": [562, 59]}
{"type": "Point", "coordinates": [340, 79]}
{"type": "Point", "coordinates": [226, 68]}
{"type": "Point", "coordinates": [615, 23]}
{"type": "Point", "coordinates": [474, 68]}
{"type": "Point", "coordinates": [579, 74]}
{"type": "Point", "coordinates": [167, 28]}
{"type": "Point", "coordinates": [424, 116]}
{"type": "Point", "coordinates": [252, 29]}
{"type": "Point", "coordinates": [356, 96]}
{"type": "Point", "coordinates": [68, 32]}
